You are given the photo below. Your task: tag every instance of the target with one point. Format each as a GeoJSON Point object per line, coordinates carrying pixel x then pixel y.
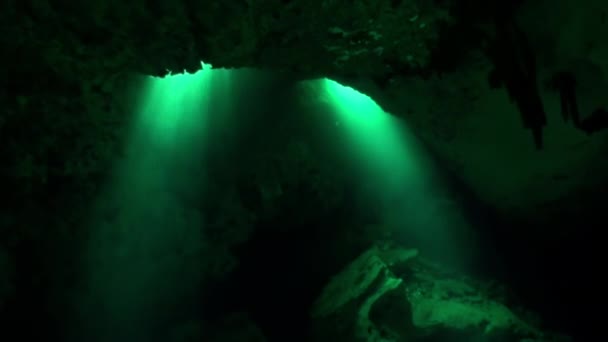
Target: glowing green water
{"type": "Point", "coordinates": [146, 248]}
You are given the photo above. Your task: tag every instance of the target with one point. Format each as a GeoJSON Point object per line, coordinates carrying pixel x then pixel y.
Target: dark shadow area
{"type": "Point", "coordinates": [286, 263]}
{"type": "Point", "coordinates": [551, 266]}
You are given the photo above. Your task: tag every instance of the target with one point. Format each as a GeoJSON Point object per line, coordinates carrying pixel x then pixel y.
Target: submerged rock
{"type": "Point", "coordinates": [393, 294]}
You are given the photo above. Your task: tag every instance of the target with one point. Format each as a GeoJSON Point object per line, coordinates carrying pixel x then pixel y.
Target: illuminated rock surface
{"type": "Point", "coordinates": [393, 294]}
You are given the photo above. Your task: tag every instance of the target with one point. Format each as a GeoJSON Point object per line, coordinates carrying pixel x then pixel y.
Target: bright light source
{"type": "Point", "coordinates": [391, 162]}
{"type": "Point", "coordinates": [377, 137]}
{"type": "Point", "coordinates": [173, 105]}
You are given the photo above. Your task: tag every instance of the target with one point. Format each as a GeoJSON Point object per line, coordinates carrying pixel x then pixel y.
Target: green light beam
{"type": "Point", "coordinates": [390, 160]}
{"type": "Point", "coordinates": [146, 257]}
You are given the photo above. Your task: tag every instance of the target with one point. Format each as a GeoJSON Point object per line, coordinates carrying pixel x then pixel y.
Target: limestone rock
{"type": "Point", "coordinates": [396, 295]}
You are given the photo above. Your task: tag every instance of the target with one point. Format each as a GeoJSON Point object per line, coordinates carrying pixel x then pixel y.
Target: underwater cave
{"type": "Point", "coordinates": [264, 170]}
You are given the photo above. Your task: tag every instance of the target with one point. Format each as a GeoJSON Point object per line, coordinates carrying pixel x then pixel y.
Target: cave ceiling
{"type": "Point", "coordinates": [424, 61]}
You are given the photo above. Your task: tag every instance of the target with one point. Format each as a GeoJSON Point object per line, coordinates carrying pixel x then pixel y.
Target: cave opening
{"type": "Point", "coordinates": [185, 142]}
